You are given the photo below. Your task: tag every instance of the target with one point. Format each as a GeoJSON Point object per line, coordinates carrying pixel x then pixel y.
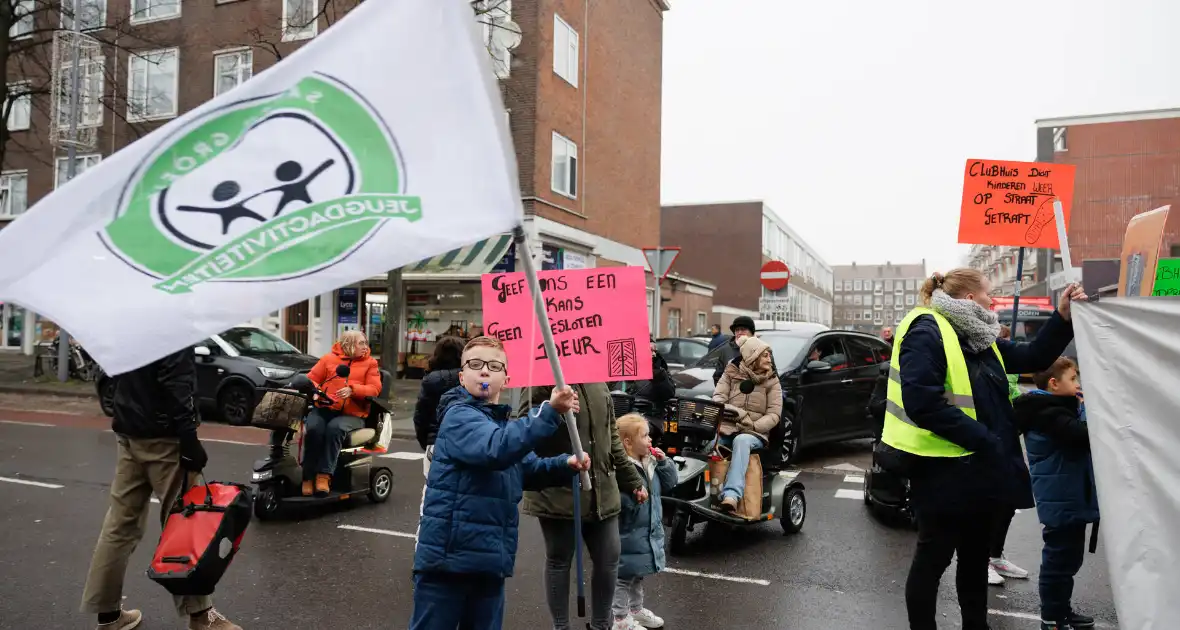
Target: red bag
{"type": "Point", "coordinates": [200, 537]}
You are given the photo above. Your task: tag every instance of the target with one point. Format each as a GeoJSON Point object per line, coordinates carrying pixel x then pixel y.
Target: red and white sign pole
{"type": "Point", "coordinates": [775, 276]}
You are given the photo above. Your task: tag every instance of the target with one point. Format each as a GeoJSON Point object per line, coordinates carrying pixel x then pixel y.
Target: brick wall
{"type": "Point", "coordinates": [689, 305]}
{"type": "Point", "coordinates": [720, 244]}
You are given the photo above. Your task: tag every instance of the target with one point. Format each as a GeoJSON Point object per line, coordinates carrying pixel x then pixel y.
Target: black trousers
{"type": "Point", "coordinates": [941, 536]}
{"type": "Point", "coordinates": [1065, 547]}
{"type": "Point", "coordinates": [1000, 524]}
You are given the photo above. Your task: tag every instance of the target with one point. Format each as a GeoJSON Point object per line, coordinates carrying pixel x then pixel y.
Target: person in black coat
{"type": "Point", "coordinates": [742, 326]}
{"type": "Point", "coordinates": [955, 498]}
{"type": "Point", "coordinates": [442, 376]}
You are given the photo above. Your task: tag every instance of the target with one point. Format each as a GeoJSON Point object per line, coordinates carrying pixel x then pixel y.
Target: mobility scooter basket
{"type": "Point", "coordinates": [280, 410]}
{"type": "Point", "coordinates": [622, 402]}
{"type": "Point", "coordinates": [689, 424]}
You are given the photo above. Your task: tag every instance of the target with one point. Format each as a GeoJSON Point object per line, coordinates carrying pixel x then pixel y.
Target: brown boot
{"type": "Point", "coordinates": [729, 504]}
{"type": "Point", "coordinates": [308, 487]}
{"type": "Point", "coordinates": [211, 620]}
{"type": "Point", "coordinates": [323, 483]}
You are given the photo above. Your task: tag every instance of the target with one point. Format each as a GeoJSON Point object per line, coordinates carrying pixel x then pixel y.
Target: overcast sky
{"type": "Point", "coordinates": [853, 119]}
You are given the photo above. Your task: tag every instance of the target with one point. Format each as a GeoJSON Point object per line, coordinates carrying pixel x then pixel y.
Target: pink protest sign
{"type": "Point", "coordinates": [598, 318]}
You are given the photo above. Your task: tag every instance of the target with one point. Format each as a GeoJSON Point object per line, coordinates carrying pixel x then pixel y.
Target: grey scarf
{"type": "Point", "coordinates": [977, 326]}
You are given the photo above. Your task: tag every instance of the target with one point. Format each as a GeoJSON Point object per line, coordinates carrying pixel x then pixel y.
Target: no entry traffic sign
{"type": "Point", "coordinates": [775, 275]}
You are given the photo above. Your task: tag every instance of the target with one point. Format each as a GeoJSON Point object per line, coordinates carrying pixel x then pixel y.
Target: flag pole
{"type": "Point", "coordinates": [530, 273]}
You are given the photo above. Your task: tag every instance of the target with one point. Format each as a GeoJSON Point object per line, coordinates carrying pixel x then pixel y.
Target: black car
{"type": "Point", "coordinates": [231, 366]}
{"type": "Point", "coordinates": [828, 373]}
{"type": "Point", "coordinates": [682, 351]}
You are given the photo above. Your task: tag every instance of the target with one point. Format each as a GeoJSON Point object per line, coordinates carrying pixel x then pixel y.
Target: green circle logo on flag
{"type": "Point", "coordinates": [263, 189]}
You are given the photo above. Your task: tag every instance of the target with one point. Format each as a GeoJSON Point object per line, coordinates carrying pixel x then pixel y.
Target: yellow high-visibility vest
{"type": "Point", "coordinates": [900, 432]}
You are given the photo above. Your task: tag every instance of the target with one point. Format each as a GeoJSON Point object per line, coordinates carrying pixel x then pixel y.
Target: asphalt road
{"type": "Point", "coordinates": [349, 566]}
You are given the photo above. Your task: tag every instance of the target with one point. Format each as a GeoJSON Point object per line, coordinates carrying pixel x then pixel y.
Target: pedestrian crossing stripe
{"type": "Point", "coordinates": [409, 456]}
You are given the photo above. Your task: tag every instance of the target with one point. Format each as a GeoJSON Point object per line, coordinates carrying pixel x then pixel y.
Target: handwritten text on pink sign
{"type": "Point", "coordinates": [598, 318]}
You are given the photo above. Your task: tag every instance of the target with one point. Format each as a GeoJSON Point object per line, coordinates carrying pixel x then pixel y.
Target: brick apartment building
{"type": "Point", "coordinates": [726, 244]}
{"type": "Point", "coordinates": [1127, 163]}
{"type": "Point", "coordinates": [869, 297]}
{"type": "Point", "coordinates": [687, 306]}
{"type": "Point", "coordinates": [583, 97]}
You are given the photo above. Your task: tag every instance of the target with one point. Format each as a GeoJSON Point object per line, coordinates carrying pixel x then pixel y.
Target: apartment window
{"type": "Point", "coordinates": [702, 322]}
{"type": "Point", "coordinates": [14, 193]}
{"type": "Point", "coordinates": [889, 300]}
{"type": "Point", "coordinates": [149, 10]}
{"type": "Point", "coordinates": [1059, 139]}
{"type": "Point", "coordinates": [877, 301]}
{"type": "Point", "coordinates": [152, 85]}
{"type": "Point", "coordinates": [858, 286]}
{"type": "Point", "coordinates": [91, 93]}
{"type": "Point", "coordinates": [22, 22]}
{"type": "Point", "coordinates": [909, 300]}
{"type": "Point", "coordinates": [61, 175]}
{"type": "Point", "coordinates": [856, 316]}
{"type": "Point", "coordinates": [857, 300]}
{"type": "Point", "coordinates": [232, 69]}
{"type": "Point", "coordinates": [839, 299]}
{"type": "Point", "coordinates": [909, 285]}
{"type": "Point", "coordinates": [565, 166]}
{"type": "Point", "coordinates": [868, 315]}
{"type": "Point", "coordinates": [565, 50]}
{"type": "Point", "coordinates": [673, 322]}
{"type": "Point", "coordinates": [847, 285]}
{"type": "Point", "coordinates": [877, 286]}
{"type": "Point", "coordinates": [21, 108]}
{"type": "Point", "coordinates": [300, 19]}
{"type": "Point", "coordinates": [93, 14]}
{"type": "Point", "coordinates": [888, 285]}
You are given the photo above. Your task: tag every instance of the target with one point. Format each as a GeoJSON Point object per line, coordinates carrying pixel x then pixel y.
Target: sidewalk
{"type": "Point", "coordinates": [16, 377]}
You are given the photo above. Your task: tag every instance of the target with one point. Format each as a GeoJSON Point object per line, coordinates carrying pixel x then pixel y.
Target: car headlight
{"type": "Point", "coordinates": [276, 373]}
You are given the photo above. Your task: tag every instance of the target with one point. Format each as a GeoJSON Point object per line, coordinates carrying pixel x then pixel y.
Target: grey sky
{"type": "Point", "coordinates": [854, 119]}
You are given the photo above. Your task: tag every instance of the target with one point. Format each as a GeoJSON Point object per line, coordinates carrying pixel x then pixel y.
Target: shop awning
{"type": "Point", "coordinates": [475, 259]}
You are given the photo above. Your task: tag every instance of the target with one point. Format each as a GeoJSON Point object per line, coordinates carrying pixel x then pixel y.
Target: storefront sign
{"type": "Point", "coordinates": [550, 258]}
{"type": "Point", "coordinates": [507, 264]}
{"type": "Point", "coordinates": [1004, 303]}
{"type": "Point", "coordinates": [347, 305]}
{"type": "Point", "coordinates": [599, 319]}
{"type": "Point", "coordinates": [573, 260]}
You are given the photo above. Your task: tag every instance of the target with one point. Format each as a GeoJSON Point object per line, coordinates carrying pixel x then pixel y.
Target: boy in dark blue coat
{"type": "Point", "coordinates": [1053, 422]}
{"type": "Point", "coordinates": [482, 463]}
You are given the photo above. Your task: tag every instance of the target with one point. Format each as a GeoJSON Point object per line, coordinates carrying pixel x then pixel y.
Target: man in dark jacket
{"type": "Point", "coordinates": [715, 336]}
{"type": "Point", "coordinates": [426, 416]}
{"type": "Point", "coordinates": [742, 326]}
{"type": "Point", "coordinates": [155, 428]}
{"type": "Point", "coordinates": [1058, 442]}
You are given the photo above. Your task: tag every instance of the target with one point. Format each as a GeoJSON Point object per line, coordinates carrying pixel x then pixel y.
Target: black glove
{"type": "Point", "coordinates": [192, 454]}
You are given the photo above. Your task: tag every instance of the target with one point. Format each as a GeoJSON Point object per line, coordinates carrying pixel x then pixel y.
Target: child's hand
{"type": "Point", "coordinates": [579, 464]}
{"type": "Point", "coordinates": [564, 399]}
{"type": "Point", "coordinates": [641, 495]}
{"type": "Point", "coordinates": [658, 454]}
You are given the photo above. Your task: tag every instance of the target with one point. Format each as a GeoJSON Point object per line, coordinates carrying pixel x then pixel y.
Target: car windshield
{"type": "Point", "coordinates": [253, 342]}
{"type": "Point", "coordinates": [785, 346]}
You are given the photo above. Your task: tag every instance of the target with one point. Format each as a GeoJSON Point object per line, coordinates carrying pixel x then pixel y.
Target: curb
{"type": "Point", "coordinates": [403, 434]}
{"type": "Point", "coordinates": [43, 391]}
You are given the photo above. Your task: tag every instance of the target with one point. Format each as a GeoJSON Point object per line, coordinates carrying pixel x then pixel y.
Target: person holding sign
{"type": "Point", "coordinates": [611, 474]}
{"type": "Point", "coordinates": [950, 427]}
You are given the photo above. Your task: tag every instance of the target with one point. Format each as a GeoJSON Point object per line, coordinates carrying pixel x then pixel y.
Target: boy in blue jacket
{"type": "Point", "coordinates": [1053, 422]}
{"type": "Point", "coordinates": [482, 463]}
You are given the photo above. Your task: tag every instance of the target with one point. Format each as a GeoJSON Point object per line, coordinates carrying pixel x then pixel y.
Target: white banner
{"type": "Point", "coordinates": [380, 143]}
{"type": "Point", "coordinates": [1129, 349]}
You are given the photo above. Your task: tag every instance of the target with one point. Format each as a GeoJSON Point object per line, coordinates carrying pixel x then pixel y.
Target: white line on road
{"type": "Point", "coordinates": [717, 576]}
{"type": "Point", "coordinates": [26, 482]}
{"type": "Point", "coordinates": [373, 530]}
{"type": "Point", "coordinates": [1032, 617]}
{"type": "Point", "coordinates": [27, 424]}
{"type": "Point", "coordinates": [853, 479]}
{"type": "Point", "coordinates": [844, 493]}
{"type": "Point", "coordinates": [232, 442]}
{"type": "Point", "coordinates": [406, 455]}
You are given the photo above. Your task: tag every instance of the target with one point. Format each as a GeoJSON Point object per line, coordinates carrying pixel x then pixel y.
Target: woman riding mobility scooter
{"type": "Point", "coordinates": [279, 476]}
{"type": "Point", "coordinates": [691, 426]}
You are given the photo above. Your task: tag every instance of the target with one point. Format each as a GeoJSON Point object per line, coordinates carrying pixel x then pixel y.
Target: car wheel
{"type": "Point", "coordinates": [678, 537]}
{"type": "Point", "coordinates": [794, 511]}
{"type": "Point", "coordinates": [106, 396]}
{"type": "Point", "coordinates": [235, 405]}
{"type": "Point", "coordinates": [380, 485]}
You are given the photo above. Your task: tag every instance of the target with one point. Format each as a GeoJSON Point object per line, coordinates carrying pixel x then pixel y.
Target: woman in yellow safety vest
{"type": "Point", "coordinates": [949, 427]}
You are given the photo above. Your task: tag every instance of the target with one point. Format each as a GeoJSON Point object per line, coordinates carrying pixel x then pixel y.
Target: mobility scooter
{"type": "Point", "coordinates": [887, 494]}
{"type": "Point", "coordinates": [279, 477]}
{"type": "Point", "coordinates": [690, 427]}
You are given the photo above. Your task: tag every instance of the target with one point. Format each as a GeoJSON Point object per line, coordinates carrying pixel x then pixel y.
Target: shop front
{"type": "Point", "coordinates": [12, 327]}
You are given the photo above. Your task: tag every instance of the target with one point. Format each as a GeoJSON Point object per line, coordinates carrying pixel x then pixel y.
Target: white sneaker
{"type": "Point", "coordinates": [993, 578]}
{"type": "Point", "coordinates": [626, 623]}
{"type": "Point", "coordinates": [1007, 569]}
{"type": "Point", "coordinates": [647, 619]}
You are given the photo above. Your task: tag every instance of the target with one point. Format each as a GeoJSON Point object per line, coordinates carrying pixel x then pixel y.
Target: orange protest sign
{"type": "Point", "coordinates": [1011, 203]}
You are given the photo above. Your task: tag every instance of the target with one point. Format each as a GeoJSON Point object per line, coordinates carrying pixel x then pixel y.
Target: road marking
{"type": "Point", "coordinates": [844, 493]}
{"type": "Point", "coordinates": [27, 424]}
{"type": "Point", "coordinates": [26, 482]}
{"type": "Point", "coordinates": [233, 442]}
{"type": "Point", "coordinates": [57, 412]}
{"type": "Point", "coordinates": [155, 500]}
{"type": "Point", "coordinates": [406, 455]}
{"type": "Point", "coordinates": [789, 474]}
{"type": "Point", "coordinates": [717, 576]}
{"type": "Point", "coordinates": [845, 467]}
{"type": "Point", "coordinates": [853, 479]}
{"type": "Point", "coordinates": [1032, 617]}
{"type": "Point", "coordinates": [373, 530]}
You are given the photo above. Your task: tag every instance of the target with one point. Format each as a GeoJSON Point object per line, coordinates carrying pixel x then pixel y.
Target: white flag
{"type": "Point", "coordinates": [1129, 349]}
{"type": "Point", "coordinates": [379, 144]}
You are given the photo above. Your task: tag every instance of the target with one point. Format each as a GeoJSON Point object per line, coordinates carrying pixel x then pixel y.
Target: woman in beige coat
{"type": "Point", "coordinates": [749, 388]}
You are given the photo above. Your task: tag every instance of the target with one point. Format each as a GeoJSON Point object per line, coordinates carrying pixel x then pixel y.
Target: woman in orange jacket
{"type": "Point", "coordinates": [345, 410]}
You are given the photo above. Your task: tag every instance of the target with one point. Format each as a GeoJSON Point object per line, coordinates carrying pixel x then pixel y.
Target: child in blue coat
{"type": "Point", "coordinates": [1058, 443]}
{"type": "Point", "coordinates": [641, 527]}
{"type": "Point", "coordinates": [482, 462]}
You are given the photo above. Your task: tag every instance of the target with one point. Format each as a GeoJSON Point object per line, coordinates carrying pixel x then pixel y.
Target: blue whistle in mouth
{"type": "Point", "coordinates": [483, 387]}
